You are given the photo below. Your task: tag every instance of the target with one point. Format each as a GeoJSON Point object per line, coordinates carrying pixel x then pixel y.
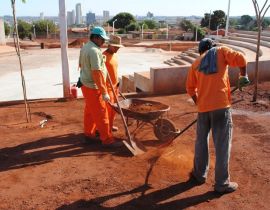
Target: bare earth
{"type": "Point", "coordinates": [50, 167]}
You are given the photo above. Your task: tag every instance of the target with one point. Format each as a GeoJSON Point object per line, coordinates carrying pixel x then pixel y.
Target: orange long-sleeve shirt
{"type": "Point", "coordinates": [112, 67]}
{"type": "Point", "coordinates": [213, 90]}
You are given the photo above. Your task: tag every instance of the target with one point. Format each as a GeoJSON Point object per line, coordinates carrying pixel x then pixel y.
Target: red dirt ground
{"type": "Point", "coordinates": [50, 167]}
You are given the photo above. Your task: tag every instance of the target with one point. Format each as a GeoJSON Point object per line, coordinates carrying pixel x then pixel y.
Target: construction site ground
{"type": "Point", "coordinates": [50, 167]}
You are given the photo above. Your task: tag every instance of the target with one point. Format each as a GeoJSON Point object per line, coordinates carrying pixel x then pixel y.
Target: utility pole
{"type": "Point", "coordinates": [228, 17]}
{"type": "Point", "coordinates": [209, 21]}
{"type": "Point", "coordinates": [64, 41]}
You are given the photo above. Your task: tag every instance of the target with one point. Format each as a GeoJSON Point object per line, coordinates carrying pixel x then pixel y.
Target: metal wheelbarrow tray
{"type": "Point", "coordinates": [144, 111]}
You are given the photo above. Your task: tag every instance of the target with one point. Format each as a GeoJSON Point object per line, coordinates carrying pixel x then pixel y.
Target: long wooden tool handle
{"type": "Point", "coordinates": [120, 110]}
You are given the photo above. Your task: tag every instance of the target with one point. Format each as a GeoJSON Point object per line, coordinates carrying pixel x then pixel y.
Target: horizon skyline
{"type": "Point", "coordinates": [191, 8]}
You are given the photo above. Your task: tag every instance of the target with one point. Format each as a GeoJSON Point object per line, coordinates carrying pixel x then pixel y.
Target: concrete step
{"type": "Point", "coordinates": [250, 40]}
{"type": "Point", "coordinates": [188, 58]}
{"type": "Point", "coordinates": [142, 81]}
{"type": "Point", "coordinates": [251, 36]}
{"type": "Point", "coordinates": [179, 61]}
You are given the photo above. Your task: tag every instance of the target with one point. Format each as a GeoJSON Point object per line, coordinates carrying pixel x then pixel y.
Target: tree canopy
{"type": "Point", "coordinates": [151, 24]}
{"type": "Point", "coordinates": [186, 25]}
{"type": "Point", "coordinates": [123, 20]}
{"type": "Point", "coordinates": [24, 29]}
{"type": "Point", "coordinates": [218, 18]}
{"type": "Point", "coordinates": [41, 26]}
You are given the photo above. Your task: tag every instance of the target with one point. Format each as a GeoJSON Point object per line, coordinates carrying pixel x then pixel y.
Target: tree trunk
{"type": "Point", "coordinates": [17, 46]}
{"type": "Point", "coordinates": [256, 77]}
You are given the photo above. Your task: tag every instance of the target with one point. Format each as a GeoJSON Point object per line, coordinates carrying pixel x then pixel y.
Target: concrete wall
{"type": "Point", "coordinates": [2, 33]}
{"type": "Point", "coordinates": [172, 79]}
{"type": "Point", "coordinates": [169, 79]}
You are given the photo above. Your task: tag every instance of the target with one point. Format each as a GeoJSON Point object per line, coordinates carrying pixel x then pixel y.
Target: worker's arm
{"type": "Point", "coordinates": [191, 84]}
{"type": "Point", "coordinates": [99, 80]}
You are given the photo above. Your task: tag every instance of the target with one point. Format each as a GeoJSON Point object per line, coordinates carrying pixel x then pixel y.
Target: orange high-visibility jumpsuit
{"type": "Point", "coordinates": [93, 76]}
{"type": "Point", "coordinates": [112, 67]}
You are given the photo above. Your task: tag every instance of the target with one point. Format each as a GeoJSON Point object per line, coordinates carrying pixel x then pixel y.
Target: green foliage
{"type": "Point", "coordinates": [245, 19]}
{"type": "Point", "coordinates": [200, 33]}
{"type": "Point", "coordinates": [186, 25]}
{"type": "Point", "coordinates": [218, 18]}
{"type": "Point", "coordinates": [233, 22]}
{"type": "Point", "coordinates": [265, 23]}
{"type": "Point", "coordinates": [151, 24]}
{"type": "Point", "coordinates": [7, 29]}
{"type": "Point", "coordinates": [24, 29]}
{"type": "Point", "coordinates": [41, 27]}
{"type": "Point", "coordinates": [134, 26]}
{"type": "Point", "coordinates": [123, 20]}
{"type": "Point", "coordinates": [121, 31]}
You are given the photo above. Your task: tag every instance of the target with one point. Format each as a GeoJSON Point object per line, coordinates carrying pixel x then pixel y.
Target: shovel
{"type": "Point", "coordinates": [135, 147]}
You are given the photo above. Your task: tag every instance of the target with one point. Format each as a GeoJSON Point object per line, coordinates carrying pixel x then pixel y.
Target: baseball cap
{"type": "Point", "coordinates": [100, 31]}
{"type": "Point", "coordinates": [206, 44]}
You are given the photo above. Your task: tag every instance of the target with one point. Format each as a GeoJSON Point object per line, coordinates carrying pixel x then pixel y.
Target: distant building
{"type": "Point", "coordinates": [78, 14]}
{"type": "Point", "coordinates": [106, 15]}
{"type": "Point", "coordinates": [41, 16]}
{"type": "Point", "coordinates": [90, 18]}
{"type": "Point", "coordinates": [71, 18]}
{"type": "Point", "coordinates": [149, 15]}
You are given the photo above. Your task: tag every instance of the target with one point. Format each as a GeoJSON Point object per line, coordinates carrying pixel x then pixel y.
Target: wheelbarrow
{"type": "Point", "coordinates": [148, 112]}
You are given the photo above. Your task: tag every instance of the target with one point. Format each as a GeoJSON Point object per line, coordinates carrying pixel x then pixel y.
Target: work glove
{"type": "Point", "coordinates": [243, 82]}
{"type": "Point", "coordinates": [106, 97]}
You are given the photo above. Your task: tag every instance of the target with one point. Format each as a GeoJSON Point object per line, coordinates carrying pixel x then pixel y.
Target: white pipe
{"type": "Point", "coordinates": [113, 25]}
{"type": "Point", "coordinates": [142, 30]}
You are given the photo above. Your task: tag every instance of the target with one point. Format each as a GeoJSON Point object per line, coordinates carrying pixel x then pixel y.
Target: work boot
{"type": "Point", "coordinates": [196, 180]}
{"type": "Point", "coordinates": [113, 143]}
{"type": "Point", "coordinates": [90, 140]}
{"type": "Point", "coordinates": [114, 128]}
{"type": "Point", "coordinates": [228, 188]}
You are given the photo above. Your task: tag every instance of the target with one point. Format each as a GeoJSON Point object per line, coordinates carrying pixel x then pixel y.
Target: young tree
{"type": "Point", "coordinates": [260, 13]}
{"type": "Point", "coordinates": [17, 47]}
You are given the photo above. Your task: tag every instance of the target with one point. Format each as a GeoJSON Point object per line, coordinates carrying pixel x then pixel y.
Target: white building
{"type": "Point", "coordinates": [78, 14]}
{"type": "Point", "coordinates": [41, 16]}
{"type": "Point", "coordinates": [90, 18]}
{"type": "Point", "coordinates": [71, 17]}
{"type": "Point", "coordinates": [106, 15]}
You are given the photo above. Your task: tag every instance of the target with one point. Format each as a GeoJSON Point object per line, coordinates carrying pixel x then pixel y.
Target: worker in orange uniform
{"type": "Point", "coordinates": [209, 86]}
{"type": "Point", "coordinates": [93, 77]}
{"type": "Point", "coordinates": [112, 67]}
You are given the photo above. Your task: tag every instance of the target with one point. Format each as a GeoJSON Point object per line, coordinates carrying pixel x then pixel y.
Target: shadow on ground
{"type": "Point", "coordinates": [150, 201]}
{"type": "Point", "coordinates": [48, 149]}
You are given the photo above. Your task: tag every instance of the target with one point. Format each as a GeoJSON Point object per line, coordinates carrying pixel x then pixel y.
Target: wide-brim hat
{"type": "Point", "coordinates": [115, 41]}
{"type": "Point", "coordinates": [100, 31]}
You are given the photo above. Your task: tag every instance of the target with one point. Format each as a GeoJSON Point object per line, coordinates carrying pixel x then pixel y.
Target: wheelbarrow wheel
{"type": "Point", "coordinates": [164, 130]}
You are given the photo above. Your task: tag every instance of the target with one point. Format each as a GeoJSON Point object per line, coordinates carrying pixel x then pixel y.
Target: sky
{"type": "Point", "coordinates": [135, 7]}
